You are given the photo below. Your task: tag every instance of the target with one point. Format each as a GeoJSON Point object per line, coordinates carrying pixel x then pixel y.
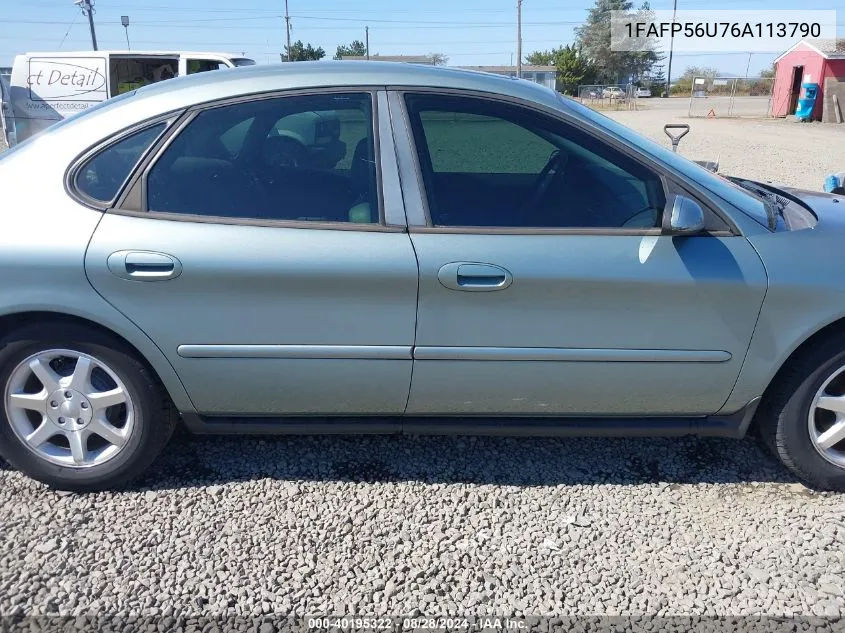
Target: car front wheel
{"type": "Point", "coordinates": [79, 410]}
{"type": "Point", "coordinates": [802, 416]}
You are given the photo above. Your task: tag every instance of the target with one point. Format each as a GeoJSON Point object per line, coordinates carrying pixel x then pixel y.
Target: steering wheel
{"type": "Point", "coordinates": [553, 167]}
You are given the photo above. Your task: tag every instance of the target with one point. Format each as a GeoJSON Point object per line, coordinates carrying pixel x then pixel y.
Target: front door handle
{"type": "Point", "coordinates": [474, 277]}
{"type": "Point", "coordinates": [144, 265]}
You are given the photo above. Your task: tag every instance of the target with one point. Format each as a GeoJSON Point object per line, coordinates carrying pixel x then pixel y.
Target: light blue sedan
{"type": "Point", "coordinates": [374, 247]}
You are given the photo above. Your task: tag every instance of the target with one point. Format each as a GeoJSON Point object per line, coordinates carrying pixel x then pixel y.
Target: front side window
{"type": "Point", "coordinates": [101, 177]}
{"type": "Point", "coordinates": [300, 158]}
{"type": "Point", "coordinates": [715, 183]}
{"type": "Point", "coordinates": [194, 66]}
{"type": "Point", "coordinates": [489, 164]}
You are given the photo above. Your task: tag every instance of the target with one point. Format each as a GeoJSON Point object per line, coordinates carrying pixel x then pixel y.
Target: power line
{"type": "Point", "coordinates": [411, 24]}
{"type": "Point", "coordinates": [387, 43]}
{"type": "Point", "coordinates": [70, 26]}
{"type": "Point", "coordinates": [399, 24]}
{"type": "Point", "coordinates": [357, 11]}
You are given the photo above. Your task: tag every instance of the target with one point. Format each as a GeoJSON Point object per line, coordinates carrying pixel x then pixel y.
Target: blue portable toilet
{"type": "Point", "coordinates": [804, 111]}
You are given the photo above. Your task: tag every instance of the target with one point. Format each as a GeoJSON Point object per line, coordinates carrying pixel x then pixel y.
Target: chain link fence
{"type": "Point", "coordinates": [731, 97]}
{"type": "Point", "coordinates": [609, 96]}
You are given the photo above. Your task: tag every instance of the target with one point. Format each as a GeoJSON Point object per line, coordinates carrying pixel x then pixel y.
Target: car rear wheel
{"type": "Point", "coordinates": [79, 410]}
{"type": "Point", "coordinates": [802, 416]}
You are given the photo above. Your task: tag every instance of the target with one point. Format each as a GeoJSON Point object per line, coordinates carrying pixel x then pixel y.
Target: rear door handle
{"type": "Point", "coordinates": [474, 277]}
{"type": "Point", "coordinates": [144, 265]}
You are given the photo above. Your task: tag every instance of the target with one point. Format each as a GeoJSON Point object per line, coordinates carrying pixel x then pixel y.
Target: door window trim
{"type": "Point", "coordinates": [134, 200]}
{"type": "Point", "coordinates": [419, 217]}
{"type": "Point", "coordinates": [72, 173]}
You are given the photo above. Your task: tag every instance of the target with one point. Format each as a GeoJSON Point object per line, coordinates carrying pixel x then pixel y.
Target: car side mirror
{"type": "Point", "coordinates": [683, 216]}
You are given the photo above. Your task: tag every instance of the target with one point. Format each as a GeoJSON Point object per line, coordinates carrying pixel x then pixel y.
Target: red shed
{"type": "Point", "coordinates": [810, 61]}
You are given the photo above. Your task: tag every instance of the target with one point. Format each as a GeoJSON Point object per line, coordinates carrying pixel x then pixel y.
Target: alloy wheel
{"type": "Point", "coordinates": [827, 419]}
{"type": "Point", "coordinates": [69, 408]}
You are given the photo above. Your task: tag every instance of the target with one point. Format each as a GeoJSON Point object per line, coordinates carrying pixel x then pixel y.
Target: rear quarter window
{"type": "Point", "coordinates": [101, 177]}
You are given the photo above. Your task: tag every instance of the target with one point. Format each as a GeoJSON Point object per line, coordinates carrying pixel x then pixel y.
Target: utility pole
{"type": "Point", "coordinates": [519, 38]}
{"type": "Point", "coordinates": [88, 9]}
{"type": "Point", "coordinates": [367, 41]}
{"type": "Point", "coordinates": [287, 27]}
{"type": "Point", "coordinates": [671, 46]}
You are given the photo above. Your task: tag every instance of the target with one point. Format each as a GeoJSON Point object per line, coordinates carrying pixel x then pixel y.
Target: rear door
{"type": "Point", "coordinates": [274, 282]}
{"type": "Point", "coordinates": [546, 286]}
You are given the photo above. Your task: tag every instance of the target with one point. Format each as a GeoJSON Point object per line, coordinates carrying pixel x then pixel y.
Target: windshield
{"type": "Point", "coordinates": [243, 61]}
{"type": "Point", "coordinates": [745, 200]}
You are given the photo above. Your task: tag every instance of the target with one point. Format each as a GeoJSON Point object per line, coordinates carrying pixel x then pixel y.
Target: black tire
{"type": "Point", "coordinates": [155, 417]}
{"type": "Point", "coordinates": [782, 419]}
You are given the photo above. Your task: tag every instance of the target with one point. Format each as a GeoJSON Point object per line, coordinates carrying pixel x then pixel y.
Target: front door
{"type": "Point", "coordinates": [545, 285]}
{"type": "Point", "coordinates": [795, 88]}
{"type": "Point", "coordinates": [262, 267]}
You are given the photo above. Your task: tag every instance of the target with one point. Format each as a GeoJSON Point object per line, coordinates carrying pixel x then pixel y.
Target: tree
{"type": "Point", "coordinates": [593, 39]}
{"type": "Point", "coordinates": [572, 68]}
{"type": "Point", "coordinates": [684, 83]}
{"type": "Point", "coordinates": [657, 81]}
{"type": "Point", "coordinates": [300, 52]}
{"type": "Point", "coordinates": [699, 71]}
{"type": "Point", "coordinates": [439, 59]}
{"type": "Point", "coordinates": [641, 62]}
{"type": "Point", "coordinates": [541, 58]}
{"type": "Point", "coordinates": [356, 49]}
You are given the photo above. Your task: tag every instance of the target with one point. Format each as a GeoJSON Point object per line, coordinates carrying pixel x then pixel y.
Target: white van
{"type": "Point", "coordinates": [6, 106]}
{"type": "Point", "coordinates": [48, 87]}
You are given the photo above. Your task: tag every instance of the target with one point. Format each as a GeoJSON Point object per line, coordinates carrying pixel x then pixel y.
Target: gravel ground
{"type": "Point", "coordinates": [778, 150]}
{"type": "Point", "coordinates": [448, 526]}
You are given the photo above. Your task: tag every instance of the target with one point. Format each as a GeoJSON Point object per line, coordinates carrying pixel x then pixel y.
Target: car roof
{"type": "Point", "coordinates": [235, 82]}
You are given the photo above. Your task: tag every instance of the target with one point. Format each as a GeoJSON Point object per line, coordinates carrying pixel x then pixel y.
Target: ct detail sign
{"type": "Point", "coordinates": [67, 79]}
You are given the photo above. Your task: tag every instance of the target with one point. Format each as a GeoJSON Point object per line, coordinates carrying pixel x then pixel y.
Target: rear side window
{"type": "Point", "coordinates": [293, 158]}
{"type": "Point", "coordinates": [102, 176]}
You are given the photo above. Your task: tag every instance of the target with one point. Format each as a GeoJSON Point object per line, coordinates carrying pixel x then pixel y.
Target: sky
{"type": "Point", "coordinates": [469, 32]}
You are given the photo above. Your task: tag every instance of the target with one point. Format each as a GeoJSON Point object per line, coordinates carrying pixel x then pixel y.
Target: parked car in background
{"type": "Point", "coordinates": [613, 92]}
{"type": "Point", "coordinates": [47, 87]}
{"type": "Point", "coordinates": [484, 256]}
{"type": "Point", "coordinates": [643, 93]}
